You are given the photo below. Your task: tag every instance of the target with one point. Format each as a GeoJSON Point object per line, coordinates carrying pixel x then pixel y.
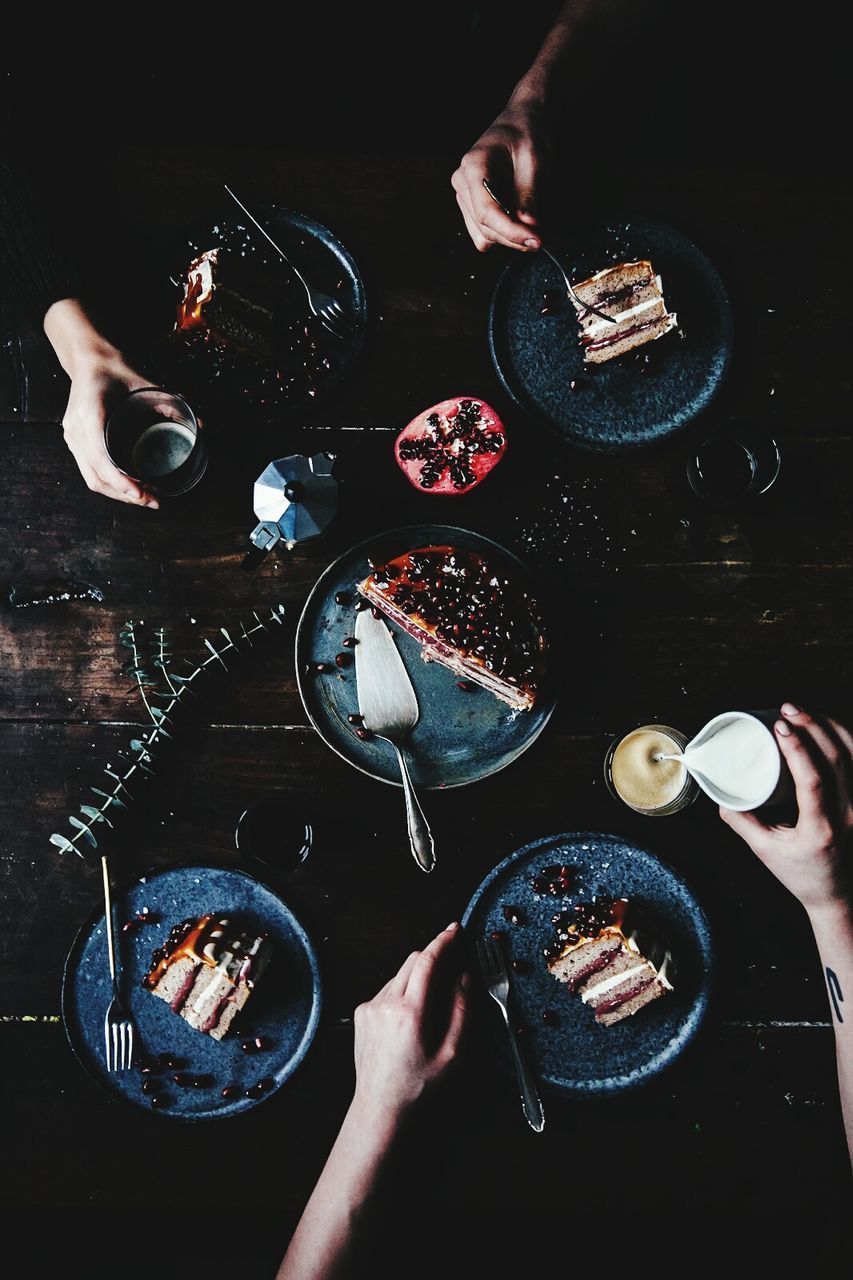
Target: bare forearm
{"type": "Point", "coordinates": [576, 18]}
{"type": "Point", "coordinates": [73, 335]}
{"type": "Point", "coordinates": [833, 930]}
{"type": "Point", "coordinates": [322, 1243]}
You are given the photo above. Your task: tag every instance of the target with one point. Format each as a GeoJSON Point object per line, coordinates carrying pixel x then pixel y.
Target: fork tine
{"type": "Point", "coordinates": [115, 1048]}
{"type": "Point", "coordinates": [330, 325]}
{"type": "Point", "coordinates": [125, 1047]}
{"type": "Point", "coordinates": [129, 1045]}
{"type": "Point", "coordinates": [107, 1041]}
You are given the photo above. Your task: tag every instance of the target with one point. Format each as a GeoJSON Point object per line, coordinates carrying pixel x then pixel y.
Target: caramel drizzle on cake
{"type": "Point", "coordinates": [466, 614]}
{"type": "Point", "coordinates": [206, 970]}
{"type": "Point", "coordinates": [192, 940]}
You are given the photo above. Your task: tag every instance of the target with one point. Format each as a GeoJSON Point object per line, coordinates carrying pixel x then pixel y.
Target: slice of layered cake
{"type": "Point", "coordinates": [632, 295]}
{"type": "Point", "coordinates": [606, 954]}
{"type": "Point", "coordinates": [231, 302]}
{"type": "Point", "coordinates": [206, 970]}
{"type": "Point", "coordinates": [468, 614]}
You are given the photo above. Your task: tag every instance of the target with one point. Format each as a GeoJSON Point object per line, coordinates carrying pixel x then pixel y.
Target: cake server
{"type": "Point", "coordinates": [387, 701]}
{"type": "Point", "coordinates": [581, 306]}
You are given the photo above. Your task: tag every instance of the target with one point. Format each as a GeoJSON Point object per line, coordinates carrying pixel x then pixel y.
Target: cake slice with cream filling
{"type": "Point", "coordinates": [206, 970]}
{"type": "Point", "coordinates": [631, 294]}
{"type": "Point", "coordinates": [606, 954]}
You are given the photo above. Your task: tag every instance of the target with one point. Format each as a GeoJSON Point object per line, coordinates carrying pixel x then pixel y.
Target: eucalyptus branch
{"type": "Point", "coordinates": [163, 659]}
{"type": "Point", "coordinates": [144, 750]}
{"type": "Point", "coordinates": [127, 637]}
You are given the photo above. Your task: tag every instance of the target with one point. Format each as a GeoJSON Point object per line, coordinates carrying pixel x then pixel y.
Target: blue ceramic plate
{"type": "Point", "coordinates": [638, 399]}
{"type": "Point", "coordinates": [575, 1055]}
{"type": "Point", "coordinates": [234, 381]}
{"type": "Point", "coordinates": [284, 1010]}
{"type": "Point", "coordinates": [460, 737]}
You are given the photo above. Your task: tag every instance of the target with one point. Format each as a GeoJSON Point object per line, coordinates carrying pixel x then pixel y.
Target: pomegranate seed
{"type": "Point", "coordinates": [349, 642]}
{"type": "Point", "coordinates": [343, 659]}
{"type": "Point", "coordinates": [512, 915]}
{"type": "Point", "coordinates": [363, 733]}
{"type": "Point", "coordinates": [356, 718]}
{"type": "Point", "coordinates": [342, 597]}
{"type": "Point", "coordinates": [230, 1091]}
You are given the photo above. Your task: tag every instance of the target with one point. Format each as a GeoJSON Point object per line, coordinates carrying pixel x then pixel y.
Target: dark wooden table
{"type": "Point", "coordinates": [747, 1126]}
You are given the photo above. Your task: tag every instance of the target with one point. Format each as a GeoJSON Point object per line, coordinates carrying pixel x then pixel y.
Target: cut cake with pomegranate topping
{"type": "Point", "coordinates": [606, 954]}
{"type": "Point", "coordinates": [467, 614]}
{"type": "Point", "coordinates": [206, 970]}
{"type": "Point", "coordinates": [632, 295]}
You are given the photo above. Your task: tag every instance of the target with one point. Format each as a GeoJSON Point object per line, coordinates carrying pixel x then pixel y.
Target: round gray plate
{"type": "Point", "coordinates": [577, 1056]}
{"type": "Point", "coordinates": [627, 402]}
{"type": "Point", "coordinates": [460, 737]}
{"type": "Point", "coordinates": [236, 379]}
{"type": "Point", "coordinates": [285, 1009]}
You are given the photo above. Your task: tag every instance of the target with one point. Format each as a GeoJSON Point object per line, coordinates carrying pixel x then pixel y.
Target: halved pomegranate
{"type": "Point", "coordinates": [451, 447]}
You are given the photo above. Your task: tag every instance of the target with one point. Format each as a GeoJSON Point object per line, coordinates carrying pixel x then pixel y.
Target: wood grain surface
{"type": "Point", "coordinates": [667, 611]}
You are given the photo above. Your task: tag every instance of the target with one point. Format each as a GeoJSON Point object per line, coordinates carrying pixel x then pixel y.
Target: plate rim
{"type": "Point", "coordinates": [393, 782]}
{"type": "Point", "coordinates": [305, 1043]}
{"type": "Point", "coordinates": [574, 439]}
{"type": "Point", "coordinates": [707, 987]}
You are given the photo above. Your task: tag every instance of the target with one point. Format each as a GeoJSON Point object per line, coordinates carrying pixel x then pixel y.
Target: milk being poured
{"type": "Point", "coordinates": [740, 761]}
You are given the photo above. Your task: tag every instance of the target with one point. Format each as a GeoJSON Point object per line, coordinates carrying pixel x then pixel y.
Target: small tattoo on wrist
{"type": "Point", "coordinates": [835, 993]}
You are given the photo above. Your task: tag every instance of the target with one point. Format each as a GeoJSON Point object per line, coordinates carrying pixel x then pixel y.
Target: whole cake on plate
{"type": "Point", "coordinates": [607, 954]}
{"type": "Point", "coordinates": [631, 294]}
{"type": "Point", "coordinates": [467, 613]}
{"type": "Point", "coordinates": [206, 970]}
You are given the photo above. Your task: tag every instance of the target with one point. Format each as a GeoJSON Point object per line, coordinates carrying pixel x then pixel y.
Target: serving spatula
{"type": "Point", "coordinates": [387, 701]}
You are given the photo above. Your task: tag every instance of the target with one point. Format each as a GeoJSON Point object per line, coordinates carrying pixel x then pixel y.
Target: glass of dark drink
{"type": "Point", "coordinates": [273, 835]}
{"type": "Point", "coordinates": [733, 466]}
{"type": "Point", "coordinates": [153, 435]}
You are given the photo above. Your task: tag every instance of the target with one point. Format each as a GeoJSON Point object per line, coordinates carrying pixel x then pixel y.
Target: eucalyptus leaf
{"type": "Point", "coordinates": [111, 799]}
{"type": "Point", "coordinates": [95, 814]}
{"type": "Point", "coordinates": [62, 843]}
{"type": "Point", "coordinates": [84, 831]}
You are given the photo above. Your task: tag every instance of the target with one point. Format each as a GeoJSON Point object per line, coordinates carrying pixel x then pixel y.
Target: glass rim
{"type": "Point", "coordinates": [690, 789]}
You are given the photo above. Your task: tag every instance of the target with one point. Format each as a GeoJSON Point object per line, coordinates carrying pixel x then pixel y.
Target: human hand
{"type": "Point", "coordinates": [509, 156]}
{"type": "Point", "coordinates": [98, 382]}
{"type": "Point", "coordinates": [813, 858]}
{"type": "Point", "coordinates": [100, 376]}
{"type": "Point", "coordinates": [409, 1033]}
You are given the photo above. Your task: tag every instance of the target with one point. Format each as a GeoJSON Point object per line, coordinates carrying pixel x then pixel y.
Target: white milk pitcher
{"type": "Point", "coordinates": [736, 761]}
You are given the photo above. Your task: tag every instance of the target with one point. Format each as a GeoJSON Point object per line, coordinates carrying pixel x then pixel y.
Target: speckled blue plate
{"type": "Point", "coordinates": [284, 1010]}
{"type": "Point", "coordinates": [576, 1055]}
{"type": "Point", "coordinates": [460, 737]}
{"type": "Point", "coordinates": [640, 398]}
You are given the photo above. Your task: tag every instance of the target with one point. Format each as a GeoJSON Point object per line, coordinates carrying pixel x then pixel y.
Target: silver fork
{"type": "Point", "coordinates": [326, 308]}
{"type": "Point", "coordinates": [118, 1028]}
{"type": "Point", "coordinates": [580, 306]}
{"type": "Point", "coordinates": [496, 978]}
